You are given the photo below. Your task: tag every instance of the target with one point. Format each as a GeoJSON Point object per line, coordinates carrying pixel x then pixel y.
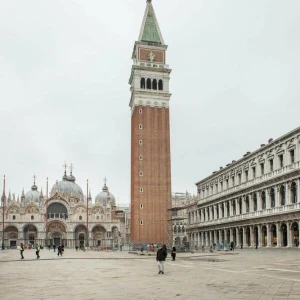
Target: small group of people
{"type": "Point", "coordinates": [37, 250]}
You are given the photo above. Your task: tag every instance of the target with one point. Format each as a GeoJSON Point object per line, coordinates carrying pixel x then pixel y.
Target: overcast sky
{"type": "Point", "coordinates": [64, 93]}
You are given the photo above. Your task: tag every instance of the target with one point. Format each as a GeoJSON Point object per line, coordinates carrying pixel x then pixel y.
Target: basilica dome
{"type": "Point", "coordinates": [33, 195]}
{"type": "Point", "coordinates": [105, 197]}
{"type": "Point", "coordinates": [67, 188]}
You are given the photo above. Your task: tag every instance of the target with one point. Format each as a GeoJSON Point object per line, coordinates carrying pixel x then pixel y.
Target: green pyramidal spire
{"type": "Point", "coordinates": [150, 31]}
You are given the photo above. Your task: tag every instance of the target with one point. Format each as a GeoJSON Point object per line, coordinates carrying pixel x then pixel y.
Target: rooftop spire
{"type": "Point", "coordinates": [150, 31]}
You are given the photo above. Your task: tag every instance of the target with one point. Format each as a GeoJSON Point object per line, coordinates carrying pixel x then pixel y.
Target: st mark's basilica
{"type": "Point", "coordinates": [66, 217]}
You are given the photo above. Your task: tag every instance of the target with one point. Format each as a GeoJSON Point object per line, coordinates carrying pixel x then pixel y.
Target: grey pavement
{"type": "Point", "coordinates": [244, 274]}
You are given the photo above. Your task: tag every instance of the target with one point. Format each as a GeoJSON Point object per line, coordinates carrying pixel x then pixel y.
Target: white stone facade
{"type": "Point", "coordinates": [253, 202]}
{"type": "Point", "coordinates": [65, 218]}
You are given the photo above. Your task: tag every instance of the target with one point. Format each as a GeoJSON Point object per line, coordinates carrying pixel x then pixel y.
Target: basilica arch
{"type": "Point", "coordinates": [81, 235]}
{"type": "Point", "coordinates": [57, 210]}
{"type": "Point", "coordinates": [11, 236]}
{"type": "Point", "coordinates": [56, 233]}
{"type": "Point", "coordinates": [30, 233]}
{"type": "Point", "coordinates": [99, 236]}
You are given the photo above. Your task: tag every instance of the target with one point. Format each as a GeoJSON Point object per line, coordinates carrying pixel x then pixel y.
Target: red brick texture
{"type": "Point", "coordinates": [156, 180]}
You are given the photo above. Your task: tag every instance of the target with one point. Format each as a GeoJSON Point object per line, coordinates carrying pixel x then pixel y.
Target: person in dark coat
{"type": "Point", "coordinates": [161, 256]}
{"type": "Point", "coordinates": [173, 253]}
{"type": "Point", "coordinates": [59, 250]}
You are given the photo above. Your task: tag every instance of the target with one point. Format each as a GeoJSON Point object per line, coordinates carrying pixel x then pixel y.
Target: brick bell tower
{"type": "Point", "coordinates": [150, 136]}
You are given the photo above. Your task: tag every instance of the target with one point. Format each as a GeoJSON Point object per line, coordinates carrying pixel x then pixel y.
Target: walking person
{"type": "Point", "coordinates": [161, 256]}
{"type": "Point", "coordinates": [22, 250]}
{"type": "Point", "coordinates": [173, 253]}
{"type": "Point", "coordinates": [37, 251]}
{"type": "Point", "coordinates": [232, 246]}
{"type": "Point", "coordinates": [59, 250]}
{"type": "Point", "coordinates": [76, 248]}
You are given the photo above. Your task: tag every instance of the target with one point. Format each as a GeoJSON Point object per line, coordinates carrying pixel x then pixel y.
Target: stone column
{"type": "Point", "coordinates": [243, 204]}
{"type": "Point", "coordinates": [298, 196]}
{"type": "Point", "coordinates": [215, 212]}
{"type": "Point", "coordinates": [251, 204]}
{"type": "Point", "coordinates": [215, 237]}
{"type": "Point", "coordinates": [237, 237]}
{"type": "Point", "coordinates": [259, 201]}
{"type": "Point", "coordinates": [244, 237]}
{"type": "Point", "coordinates": [299, 234]}
{"type": "Point", "coordinates": [210, 239]}
{"type": "Point", "coordinates": [277, 198]}
{"type": "Point", "coordinates": [220, 237]}
{"type": "Point", "coordinates": [278, 235]}
{"type": "Point", "coordinates": [201, 237]}
{"type": "Point", "coordinates": [288, 193]}
{"type": "Point", "coordinates": [259, 228]}
{"type": "Point", "coordinates": [289, 234]}
{"type": "Point", "coordinates": [269, 236]}
{"type": "Point", "coordinates": [231, 235]}
{"type": "Point", "coordinates": [225, 209]}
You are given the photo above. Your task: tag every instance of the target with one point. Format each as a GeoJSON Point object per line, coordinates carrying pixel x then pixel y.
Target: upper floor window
{"type": "Point", "coordinates": [140, 111]}
{"type": "Point", "coordinates": [263, 200]}
{"type": "Point", "coordinates": [246, 175]}
{"type": "Point", "coordinates": [160, 85]}
{"type": "Point", "coordinates": [262, 169]}
{"type": "Point", "coordinates": [232, 180]}
{"type": "Point", "coordinates": [292, 156]}
{"type": "Point", "coordinates": [227, 183]}
{"type": "Point", "coordinates": [143, 83]}
{"type": "Point", "coordinates": [148, 84]}
{"type": "Point", "coordinates": [271, 165]}
{"type": "Point", "coordinates": [32, 217]}
{"type": "Point", "coordinates": [14, 217]}
{"type": "Point", "coordinates": [255, 202]}
{"type": "Point", "coordinates": [247, 204]}
{"type": "Point", "coordinates": [154, 84]}
{"type": "Point", "coordinates": [240, 178]}
{"type": "Point", "coordinates": [140, 126]}
{"type": "Point", "coordinates": [221, 186]}
{"type": "Point", "coordinates": [253, 172]}
{"type": "Point", "coordinates": [280, 158]}
{"type": "Point", "coordinates": [294, 192]}
{"type": "Point", "coordinates": [282, 195]}
{"type": "Point", "coordinates": [272, 197]}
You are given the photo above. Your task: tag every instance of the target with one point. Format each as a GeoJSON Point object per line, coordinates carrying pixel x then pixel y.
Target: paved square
{"type": "Point", "coordinates": [244, 274]}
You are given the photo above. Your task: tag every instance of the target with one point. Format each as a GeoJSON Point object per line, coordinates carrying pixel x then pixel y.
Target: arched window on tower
{"type": "Point", "coordinates": [293, 192]}
{"type": "Point", "coordinates": [148, 84]}
{"type": "Point", "coordinates": [154, 84]}
{"type": "Point", "coordinates": [160, 85]}
{"type": "Point", "coordinates": [143, 83]}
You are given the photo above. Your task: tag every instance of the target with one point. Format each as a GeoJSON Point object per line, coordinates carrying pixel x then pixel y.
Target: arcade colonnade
{"type": "Point", "coordinates": [272, 234]}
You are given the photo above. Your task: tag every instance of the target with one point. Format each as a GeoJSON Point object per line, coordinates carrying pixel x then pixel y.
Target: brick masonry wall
{"type": "Point", "coordinates": [156, 179]}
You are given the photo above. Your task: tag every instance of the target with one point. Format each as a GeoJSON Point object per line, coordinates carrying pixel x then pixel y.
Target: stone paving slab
{"type": "Point", "coordinates": [245, 274]}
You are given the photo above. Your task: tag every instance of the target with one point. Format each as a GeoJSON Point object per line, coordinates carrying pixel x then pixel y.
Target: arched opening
{"type": "Point", "coordinates": [55, 231]}
{"type": "Point", "coordinates": [154, 84]}
{"type": "Point", "coordinates": [272, 197]}
{"type": "Point", "coordinates": [57, 211]}
{"type": "Point", "coordinates": [256, 236]}
{"type": "Point", "coordinates": [81, 235]}
{"type": "Point", "coordinates": [227, 236]}
{"type": "Point", "coordinates": [234, 208]}
{"type": "Point", "coordinates": [263, 200]}
{"type": "Point", "coordinates": [295, 234]}
{"type": "Point", "coordinates": [177, 241]}
{"type": "Point", "coordinates": [264, 236]}
{"type": "Point", "coordinates": [248, 241]}
{"type": "Point", "coordinates": [228, 209]}
{"type": "Point", "coordinates": [273, 235]}
{"type": "Point", "coordinates": [282, 195]}
{"type": "Point", "coordinates": [241, 236]}
{"type": "Point", "coordinates": [160, 85]}
{"type": "Point", "coordinates": [284, 239]}
{"type": "Point", "coordinates": [240, 206]}
{"type": "Point", "coordinates": [247, 204]}
{"type": "Point", "coordinates": [143, 83]}
{"type": "Point", "coordinates": [10, 237]}
{"type": "Point", "coordinates": [148, 84]}
{"type": "Point", "coordinates": [293, 192]}
{"type": "Point", "coordinates": [255, 202]}
{"type": "Point", "coordinates": [99, 235]}
{"type": "Point", "coordinates": [30, 234]}
{"type": "Point", "coordinates": [234, 235]}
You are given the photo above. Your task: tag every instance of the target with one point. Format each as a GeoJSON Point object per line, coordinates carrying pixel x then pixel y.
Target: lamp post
{"type": "Point", "coordinates": [3, 212]}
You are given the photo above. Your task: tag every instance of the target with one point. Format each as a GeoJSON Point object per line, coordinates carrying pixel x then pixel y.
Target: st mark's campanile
{"type": "Point", "coordinates": [150, 136]}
